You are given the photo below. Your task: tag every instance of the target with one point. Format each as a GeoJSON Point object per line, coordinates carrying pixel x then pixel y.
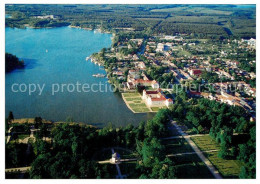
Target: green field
{"type": "Point", "coordinates": [184, 53]}
{"type": "Point", "coordinates": [155, 109]}
{"type": "Point", "coordinates": [205, 143]}
{"type": "Point", "coordinates": [133, 98]}
{"type": "Point", "coordinates": [131, 95]}
{"type": "Point", "coordinates": [228, 168]}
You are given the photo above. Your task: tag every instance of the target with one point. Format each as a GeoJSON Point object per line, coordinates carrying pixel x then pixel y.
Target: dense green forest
{"type": "Point", "coordinates": [204, 21]}
{"type": "Point", "coordinates": [74, 149]}
{"type": "Point", "coordinates": [12, 62]}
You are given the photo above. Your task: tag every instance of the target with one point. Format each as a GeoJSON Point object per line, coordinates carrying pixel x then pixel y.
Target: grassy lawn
{"type": "Point", "coordinates": [135, 102]}
{"type": "Point", "coordinates": [205, 143]}
{"type": "Point", "coordinates": [137, 105]}
{"type": "Point", "coordinates": [184, 53]}
{"type": "Point", "coordinates": [179, 145]}
{"type": "Point", "coordinates": [227, 167]}
{"type": "Point", "coordinates": [139, 108]}
{"type": "Point", "coordinates": [155, 108]}
{"type": "Point", "coordinates": [131, 95]}
{"type": "Point", "coordinates": [132, 98]}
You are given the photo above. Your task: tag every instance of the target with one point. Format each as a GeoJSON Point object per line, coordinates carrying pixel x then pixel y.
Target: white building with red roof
{"type": "Point", "coordinates": [156, 98]}
{"type": "Point", "coordinates": [195, 72]}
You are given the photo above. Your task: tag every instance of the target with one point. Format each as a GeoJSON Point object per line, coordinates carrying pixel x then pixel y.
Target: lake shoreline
{"type": "Point", "coordinates": [70, 57]}
{"type": "Point", "coordinates": [44, 121]}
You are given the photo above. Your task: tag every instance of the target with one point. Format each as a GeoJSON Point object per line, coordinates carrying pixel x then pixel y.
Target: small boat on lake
{"type": "Point", "coordinates": [99, 75]}
{"type": "Point", "coordinates": [87, 58]}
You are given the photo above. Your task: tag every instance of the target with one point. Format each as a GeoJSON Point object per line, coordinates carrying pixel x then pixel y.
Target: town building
{"type": "Point", "coordinates": [156, 98]}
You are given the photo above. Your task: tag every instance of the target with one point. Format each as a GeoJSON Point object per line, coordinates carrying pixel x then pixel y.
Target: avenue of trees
{"type": "Point", "coordinates": [229, 125]}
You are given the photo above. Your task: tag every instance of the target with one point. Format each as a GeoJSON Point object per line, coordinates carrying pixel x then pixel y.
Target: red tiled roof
{"type": "Point", "coordinates": [195, 93]}
{"type": "Point", "coordinates": [162, 98]}
{"type": "Point", "coordinates": [143, 81]}
{"type": "Point", "coordinates": [197, 72]}
{"type": "Point", "coordinates": [151, 92]}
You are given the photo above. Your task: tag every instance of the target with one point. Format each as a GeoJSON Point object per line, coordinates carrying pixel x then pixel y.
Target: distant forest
{"type": "Point", "coordinates": [203, 21]}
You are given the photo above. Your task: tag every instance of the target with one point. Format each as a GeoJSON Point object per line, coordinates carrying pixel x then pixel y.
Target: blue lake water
{"type": "Point", "coordinates": [246, 6]}
{"type": "Point", "coordinates": [55, 57]}
{"type": "Point", "coordinates": [7, 16]}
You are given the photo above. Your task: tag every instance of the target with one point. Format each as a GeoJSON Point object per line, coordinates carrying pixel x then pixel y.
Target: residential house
{"type": "Point", "coordinates": [195, 72]}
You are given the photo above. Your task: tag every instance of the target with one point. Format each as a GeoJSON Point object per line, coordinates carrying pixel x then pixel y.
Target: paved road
{"type": "Point", "coordinates": [20, 169]}
{"type": "Point", "coordinates": [212, 169]}
{"type": "Point", "coordinates": [104, 162]}
{"type": "Point", "coordinates": [9, 135]}
{"type": "Point", "coordinates": [121, 160]}
{"type": "Point", "coordinates": [189, 153]}
{"type": "Point", "coordinates": [182, 136]}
